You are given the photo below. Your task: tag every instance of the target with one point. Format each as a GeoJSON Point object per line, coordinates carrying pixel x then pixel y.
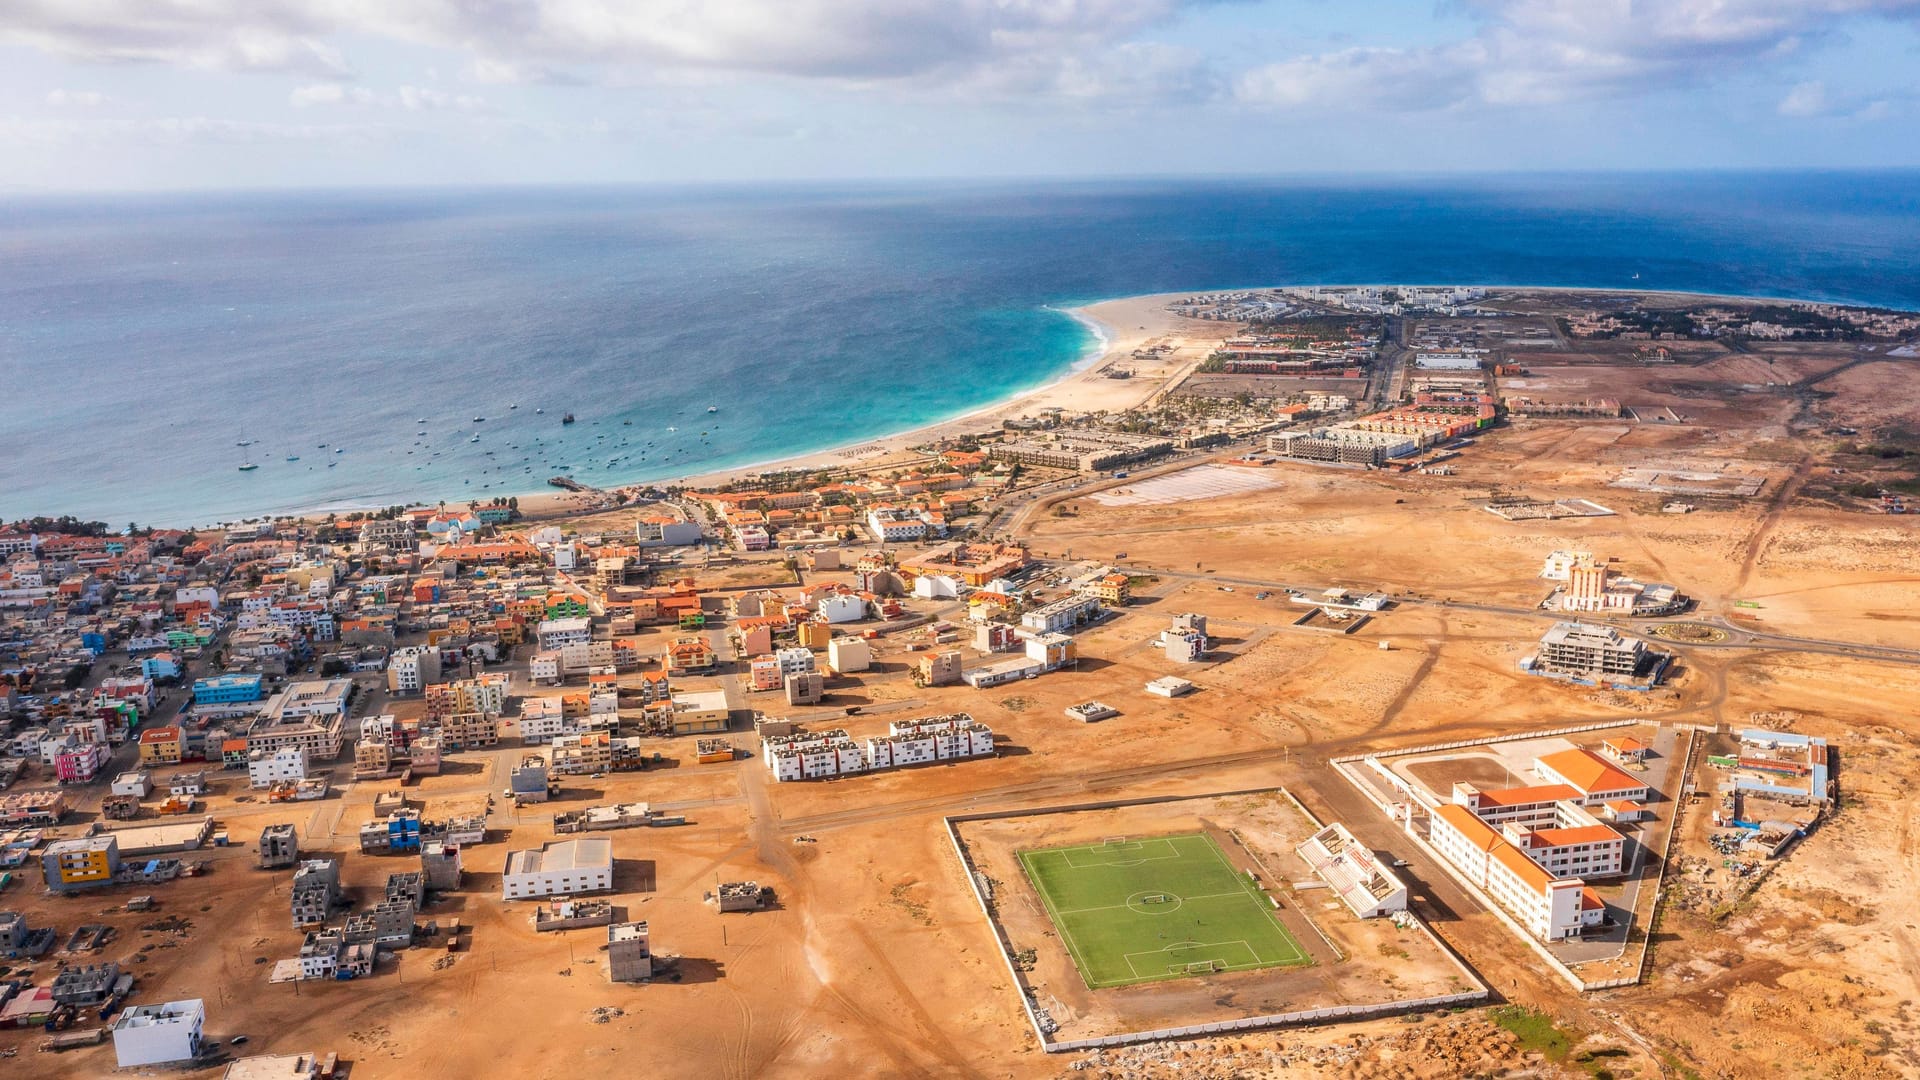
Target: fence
{"type": "Point", "coordinates": [1306, 1016]}
{"type": "Point", "coordinates": [1514, 737]}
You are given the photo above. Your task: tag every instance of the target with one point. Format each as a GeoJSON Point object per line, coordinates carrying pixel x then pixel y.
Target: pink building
{"type": "Point", "coordinates": [79, 764]}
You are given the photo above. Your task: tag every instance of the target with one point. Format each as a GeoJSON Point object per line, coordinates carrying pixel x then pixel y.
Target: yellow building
{"type": "Point", "coordinates": [161, 746]}
{"type": "Point", "coordinates": [82, 863]}
{"type": "Point", "coordinates": [1112, 589]}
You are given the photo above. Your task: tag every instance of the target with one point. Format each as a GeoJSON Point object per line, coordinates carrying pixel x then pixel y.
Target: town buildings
{"type": "Point", "coordinates": [1080, 451]}
{"type": "Point", "coordinates": [817, 755]}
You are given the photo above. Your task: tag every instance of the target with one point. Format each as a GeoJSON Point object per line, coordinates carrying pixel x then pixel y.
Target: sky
{"type": "Point", "coordinates": [199, 94]}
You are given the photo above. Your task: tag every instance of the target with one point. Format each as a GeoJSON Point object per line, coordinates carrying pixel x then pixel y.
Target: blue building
{"type": "Point", "coordinates": [226, 689]}
{"type": "Point", "coordinates": [160, 666]}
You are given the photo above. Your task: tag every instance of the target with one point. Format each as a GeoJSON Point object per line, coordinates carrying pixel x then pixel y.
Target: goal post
{"type": "Point", "coordinates": [1204, 967]}
{"type": "Point", "coordinates": [1116, 841]}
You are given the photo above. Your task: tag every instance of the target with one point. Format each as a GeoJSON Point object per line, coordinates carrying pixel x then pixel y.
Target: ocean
{"type": "Point", "coordinates": [367, 333]}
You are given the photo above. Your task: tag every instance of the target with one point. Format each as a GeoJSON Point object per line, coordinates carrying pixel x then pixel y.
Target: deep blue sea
{"type": "Point", "coordinates": [142, 337]}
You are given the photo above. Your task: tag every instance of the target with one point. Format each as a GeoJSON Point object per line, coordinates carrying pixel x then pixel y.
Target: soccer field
{"type": "Point", "coordinates": [1139, 909]}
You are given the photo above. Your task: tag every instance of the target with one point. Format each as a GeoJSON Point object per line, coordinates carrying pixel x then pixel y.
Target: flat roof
{"type": "Point", "coordinates": [273, 1067]}
{"type": "Point", "coordinates": [586, 853]}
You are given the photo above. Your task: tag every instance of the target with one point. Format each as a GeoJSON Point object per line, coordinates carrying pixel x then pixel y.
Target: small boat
{"type": "Point", "coordinates": [248, 466]}
{"type": "Point", "coordinates": [422, 431]}
{"type": "Point", "coordinates": [293, 457]}
{"type": "Point", "coordinates": [567, 419]}
{"type": "Point", "coordinates": [514, 406]}
{"type": "Point", "coordinates": [244, 442]}
{"type": "Point", "coordinates": [476, 438]}
{"type": "Point", "coordinates": [479, 419]}
{"type": "Point", "coordinates": [322, 446]}
{"type": "Point", "coordinates": [540, 410]}
{"type": "Point", "coordinates": [422, 420]}
{"type": "Point", "coordinates": [713, 408]}
{"type": "Point", "coordinates": [331, 464]}
{"type": "Point", "coordinates": [339, 449]}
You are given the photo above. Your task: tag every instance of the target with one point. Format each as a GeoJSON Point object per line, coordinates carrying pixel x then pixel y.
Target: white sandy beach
{"type": "Point", "coordinates": [1126, 325]}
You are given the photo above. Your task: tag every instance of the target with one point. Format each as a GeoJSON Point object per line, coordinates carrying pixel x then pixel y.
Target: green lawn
{"type": "Point", "coordinates": [1143, 909]}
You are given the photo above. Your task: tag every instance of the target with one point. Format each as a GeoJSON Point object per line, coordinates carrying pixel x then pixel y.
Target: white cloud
{"type": "Point", "coordinates": [81, 99]}
{"type": "Point", "coordinates": [1541, 52]}
{"type": "Point", "coordinates": [174, 130]}
{"type": "Point", "coordinates": [1806, 99]}
{"type": "Point", "coordinates": [533, 40]}
{"type": "Point", "coordinates": [410, 98]}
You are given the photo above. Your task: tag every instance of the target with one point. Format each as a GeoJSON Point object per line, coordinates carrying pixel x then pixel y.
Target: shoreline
{"type": "Point", "coordinates": [1081, 387]}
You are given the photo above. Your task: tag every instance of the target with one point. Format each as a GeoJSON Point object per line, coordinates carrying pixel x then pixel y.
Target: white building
{"type": "Point", "coordinates": [812, 755]}
{"type": "Point", "coordinates": [266, 768]}
{"type": "Point", "coordinates": [842, 608]}
{"type": "Point", "coordinates": [795, 661]}
{"type": "Point", "coordinates": [665, 532]}
{"type": "Point", "coordinates": [559, 868]}
{"type": "Point", "coordinates": [138, 783]}
{"type": "Point", "coordinates": [937, 587]}
{"type": "Point", "coordinates": [1551, 908]}
{"type": "Point", "coordinates": [544, 667]}
{"type": "Point", "coordinates": [816, 755]}
{"type": "Point", "coordinates": [1168, 686]}
{"type": "Point", "coordinates": [1062, 615]}
{"type": "Point", "coordinates": [558, 633]}
{"type": "Point", "coordinates": [412, 668]}
{"type": "Point", "coordinates": [891, 524]}
{"type": "Point", "coordinates": [157, 1034]}
{"type": "Point", "coordinates": [849, 654]}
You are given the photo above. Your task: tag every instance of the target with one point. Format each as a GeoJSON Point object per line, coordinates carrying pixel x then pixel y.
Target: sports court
{"type": "Point", "coordinates": [1141, 909]}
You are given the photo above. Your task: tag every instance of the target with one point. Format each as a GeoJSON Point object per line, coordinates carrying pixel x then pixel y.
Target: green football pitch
{"type": "Point", "coordinates": [1140, 909]}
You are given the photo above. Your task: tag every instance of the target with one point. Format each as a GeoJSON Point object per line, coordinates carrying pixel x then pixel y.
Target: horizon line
{"type": "Point", "coordinates": [952, 181]}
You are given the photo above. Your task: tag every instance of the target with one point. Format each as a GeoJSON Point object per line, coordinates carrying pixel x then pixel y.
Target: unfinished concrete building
{"type": "Point", "coordinates": [18, 941]}
{"type": "Point", "coordinates": [316, 888]}
{"type": "Point", "coordinates": [87, 986]}
{"type": "Point", "coordinates": [440, 864]}
{"type": "Point", "coordinates": [393, 923]}
{"type": "Point", "coordinates": [410, 886]}
{"type": "Point", "coordinates": [279, 846]}
{"type": "Point", "coordinates": [741, 896]}
{"type": "Point", "coordinates": [568, 914]}
{"type": "Point", "coordinates": [1584, 650]}
{"type": "Point", "coordinates": [528, 783]}
{"type": "Point", "coordinates": [629, 955]}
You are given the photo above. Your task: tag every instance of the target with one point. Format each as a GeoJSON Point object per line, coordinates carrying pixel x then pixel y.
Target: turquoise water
{"type": "Point", "coordinates": [141, 338]}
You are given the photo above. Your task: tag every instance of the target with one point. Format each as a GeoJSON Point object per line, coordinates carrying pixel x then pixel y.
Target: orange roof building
{"type": "Point", "coordinates": [1597, 780]}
